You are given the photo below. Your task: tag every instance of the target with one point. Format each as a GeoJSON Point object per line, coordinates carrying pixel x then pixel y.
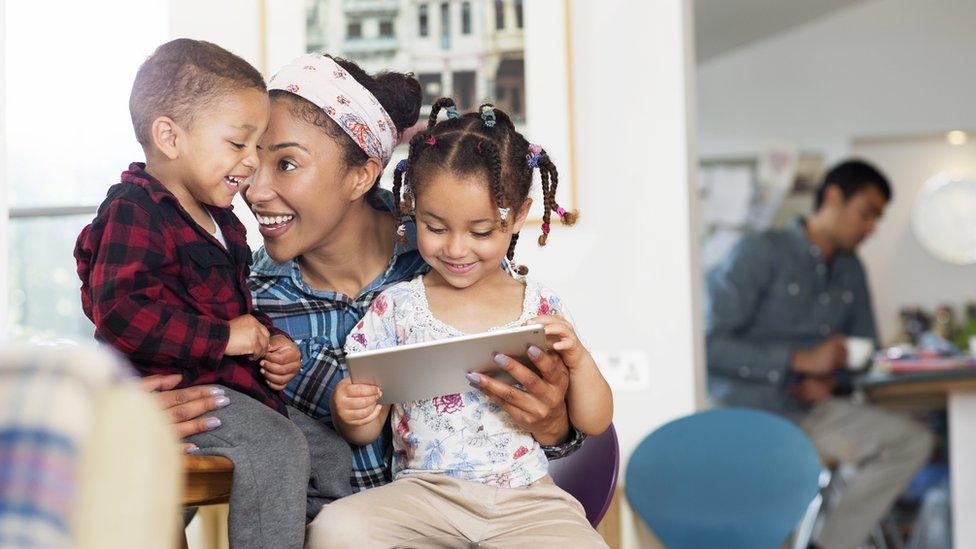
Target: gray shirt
{"type": "Point", "coordinates": [772, 295]}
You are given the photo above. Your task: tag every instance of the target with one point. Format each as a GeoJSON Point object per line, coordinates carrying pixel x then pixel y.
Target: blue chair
{"type": "Point", "coordinates": [724, 478]}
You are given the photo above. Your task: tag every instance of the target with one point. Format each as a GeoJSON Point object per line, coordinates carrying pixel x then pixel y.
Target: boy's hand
{"type": "Point", "coordinates": [356, 403]}
{"type": "Point", "coordinates": [281, 363]}
{"type": "Point", "coordinates": [247, 337]}
{"type": "Point", "coordinates": [561, 338]}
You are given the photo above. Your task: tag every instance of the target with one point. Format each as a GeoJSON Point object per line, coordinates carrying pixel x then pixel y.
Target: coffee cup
{"type": "Point", "coordinates": [859, 351]}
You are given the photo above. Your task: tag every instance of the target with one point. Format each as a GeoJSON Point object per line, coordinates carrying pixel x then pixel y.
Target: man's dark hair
{"type": "Point", "coordinates": [852, 176]}
{"type": "Point", "coordinates": [182, 78]}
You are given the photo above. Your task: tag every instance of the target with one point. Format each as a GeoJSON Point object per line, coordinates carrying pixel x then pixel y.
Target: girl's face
{"type": "Point", "coordinates": [458, 232]}
{"type": "Point", "coordinates": [302, 188]}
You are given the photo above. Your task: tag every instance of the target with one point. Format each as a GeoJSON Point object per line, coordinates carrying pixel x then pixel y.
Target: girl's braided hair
{"type": "Point", "coordinates": [486, 143]}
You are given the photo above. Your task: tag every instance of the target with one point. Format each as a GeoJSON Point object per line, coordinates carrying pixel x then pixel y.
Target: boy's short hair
{"type": "Point", "coordinates": [852, 176]}
{"type": "Point", "coordinates": [181, 78]}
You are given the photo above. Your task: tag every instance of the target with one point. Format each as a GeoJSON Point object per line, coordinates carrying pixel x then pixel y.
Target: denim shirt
{"type": "Point", "coordinates": [772, 295]}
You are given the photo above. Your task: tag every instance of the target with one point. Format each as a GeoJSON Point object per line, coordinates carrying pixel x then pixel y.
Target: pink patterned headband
{"type": "Point", "coordinates": [322, 81]}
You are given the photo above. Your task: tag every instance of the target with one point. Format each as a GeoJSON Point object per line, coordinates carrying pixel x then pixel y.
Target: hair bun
{"type": "Point", "coordinates": [400, 95]}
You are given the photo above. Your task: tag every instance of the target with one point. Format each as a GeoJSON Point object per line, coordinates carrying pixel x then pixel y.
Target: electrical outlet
{"type": "Point", "coordinates": [625, 370]}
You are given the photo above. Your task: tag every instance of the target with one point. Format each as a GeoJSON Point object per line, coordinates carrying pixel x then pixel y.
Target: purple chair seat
{"type": "Point", "coordinates": [590, 473]}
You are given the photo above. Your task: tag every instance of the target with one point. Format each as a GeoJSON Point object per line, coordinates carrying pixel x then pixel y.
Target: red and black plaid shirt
{"type": "Point", "coordinates": [162, 290]}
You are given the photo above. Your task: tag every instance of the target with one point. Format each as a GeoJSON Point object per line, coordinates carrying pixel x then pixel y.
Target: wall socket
{"type": "Point", "coordinates": [625, 370]}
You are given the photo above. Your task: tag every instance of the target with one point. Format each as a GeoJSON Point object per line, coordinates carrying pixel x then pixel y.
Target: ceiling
{"type": "Point", "coordinates": [725, 25]}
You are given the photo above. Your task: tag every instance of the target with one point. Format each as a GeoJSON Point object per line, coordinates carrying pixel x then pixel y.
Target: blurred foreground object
{"type": "Point", "coordinates": [86, 457]}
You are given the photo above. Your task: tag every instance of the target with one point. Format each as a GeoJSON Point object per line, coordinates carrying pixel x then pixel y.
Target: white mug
{"type": "Point", "coordinates": [859, 351]}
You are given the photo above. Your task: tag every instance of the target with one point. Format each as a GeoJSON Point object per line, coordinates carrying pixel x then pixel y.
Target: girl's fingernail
{"type": "Point", "coordinates": [473, 379]}
{"type": "Point", "coordinates": [211, 423]}
{"type": "Point", "coordinates": [534, 351]}
{"type": "Point", "coordinates": [216, 391]}
{"type": "Point", "coordinates": [501, 360]}
{"type": "Point", "coordinates": [192, 449]}
{"type": "Point", "coordinates": [262, 371]}
{"type": "Point", "coordinates": [222, 401]}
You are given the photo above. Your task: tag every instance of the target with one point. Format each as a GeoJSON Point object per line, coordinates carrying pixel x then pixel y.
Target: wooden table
{"type": "Point", "coordinates": [956, 391]}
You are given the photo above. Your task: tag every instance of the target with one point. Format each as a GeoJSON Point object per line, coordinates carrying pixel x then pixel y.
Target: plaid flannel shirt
{"type": "Point", "coordinates": [162, 290]}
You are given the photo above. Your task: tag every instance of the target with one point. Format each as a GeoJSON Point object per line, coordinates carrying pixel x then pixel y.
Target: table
{"type": "Point", "coordinates": [955, 390]}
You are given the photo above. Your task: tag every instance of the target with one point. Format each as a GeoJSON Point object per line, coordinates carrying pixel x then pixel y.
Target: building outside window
{"type": "Point", "coordinates": [445, 26]}
{"type": "Point", "coordinates": [499, 14]}
{"type": "Point", "coordinates": [465, 17]}
{"type": "Point", "coordinates": [518, 13]}
{"type": "Point", "coordinates": [422, 20]}
{"type": "Point", "coordinates": [354, 30]}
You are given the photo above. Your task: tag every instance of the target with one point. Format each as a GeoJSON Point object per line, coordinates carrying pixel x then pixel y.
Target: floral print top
{"type": "Point", "coordinates": [462, 435]}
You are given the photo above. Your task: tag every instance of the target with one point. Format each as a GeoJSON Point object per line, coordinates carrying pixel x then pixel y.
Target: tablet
{"type": "Point", "coordinates": [425, 370]}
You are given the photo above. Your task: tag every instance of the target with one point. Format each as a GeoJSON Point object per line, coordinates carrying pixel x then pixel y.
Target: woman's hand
{"type": "Point", "coordinates": [186, 406]}
{"type": "Point", "coordinates": [541, 408]}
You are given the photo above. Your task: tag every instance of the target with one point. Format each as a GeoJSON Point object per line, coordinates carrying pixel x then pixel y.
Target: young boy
{"type": "Point", "coordinates": [163, 268]}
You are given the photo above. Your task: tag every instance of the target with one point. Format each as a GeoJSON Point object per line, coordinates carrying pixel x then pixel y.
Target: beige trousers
{"type": "Point", "coordinates": [886, 449]}
{"type": "Point", "coordinates": [432, 510]}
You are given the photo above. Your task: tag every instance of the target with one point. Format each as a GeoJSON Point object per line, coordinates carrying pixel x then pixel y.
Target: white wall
{"type": "Point", "coordinates": [880, 67]}
{"type": "Point", "coordinates": [877, 69]}
{"type": "Point", "coordinates": [4, 290]}
{"type": "Point", "coordinates": [900, 271]}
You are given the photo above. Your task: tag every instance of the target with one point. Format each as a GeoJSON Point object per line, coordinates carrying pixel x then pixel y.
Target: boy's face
{"type": "Point", "coordinates": [218, 151]}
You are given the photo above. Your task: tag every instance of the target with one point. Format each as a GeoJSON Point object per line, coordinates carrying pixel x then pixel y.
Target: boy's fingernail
{"type": "Point", "coordinates": [501, 360]}
{"type": "Point", "coordinates": [192, 449]}
{"type": "Point", "coordinates": [534, 351]}
{"type": "Point", "coordinates": [222, 401]}
{"type": "Point", "coordinates": [216, 391]}
{"type": "Point", "coordinates": [473, 379]}
{"type": "Point", "coordinates": [211, 422]}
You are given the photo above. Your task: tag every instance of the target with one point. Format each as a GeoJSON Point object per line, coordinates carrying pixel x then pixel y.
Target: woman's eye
{"type": "Point", "coordinates": [436, 230]}
{"type": "Point", "coordinates": [238, 146]}
{"type": "Point", "coordinates": [285, 165]}
{"type": "Point", "coordinates": [481, 235]}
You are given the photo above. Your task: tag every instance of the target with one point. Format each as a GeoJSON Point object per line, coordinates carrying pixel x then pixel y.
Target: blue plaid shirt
{"type": "Point", "coordinates": [319, 322]}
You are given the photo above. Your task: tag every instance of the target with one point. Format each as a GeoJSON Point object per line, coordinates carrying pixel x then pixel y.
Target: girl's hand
{"type": "Point", "coordinates": [281, 363]}
{"type": "Point", "coordinates": [356, 403]}
{"type": "Point", "coordinates": [562, 338]}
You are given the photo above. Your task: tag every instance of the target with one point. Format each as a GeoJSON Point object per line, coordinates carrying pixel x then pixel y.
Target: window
{"type": "Point", "coordinates": [430, 83]}
{"type": "Point", "coordinates": [422, 20]}
{"type": "Point", "coordinates": [445, 26]}
{"type": "Point", "coordinates": [386, 29]}
{"type": "Point", "coordinates": [464, 89]}
{"type": "Point", "coordinates": [354, 30]}
{"type": "Point", "coordinates": [466, 18]}
{"type": "Point", "coordinates": [56, 179]}
{"type": "Point", "coordinates": [518, 13]}
{"type": "Point", "coordinates": [499, 14]}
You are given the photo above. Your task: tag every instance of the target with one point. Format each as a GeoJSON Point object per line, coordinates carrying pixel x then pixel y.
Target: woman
{"type": "Point", "coordinates": [331, 241]}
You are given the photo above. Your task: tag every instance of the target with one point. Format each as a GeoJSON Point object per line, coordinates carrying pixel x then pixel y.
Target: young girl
{"type": "Point", "coordinates": [464, 473]}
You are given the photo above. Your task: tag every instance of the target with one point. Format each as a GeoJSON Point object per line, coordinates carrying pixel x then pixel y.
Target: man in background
{"type": "Point", "coordinates": [780, 308]}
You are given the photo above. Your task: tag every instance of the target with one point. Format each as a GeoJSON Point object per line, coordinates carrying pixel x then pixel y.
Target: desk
{"type": "Point", "coordinates": [955, 390]}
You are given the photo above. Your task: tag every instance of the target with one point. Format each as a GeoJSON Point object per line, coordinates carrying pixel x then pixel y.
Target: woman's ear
{"type": "Point", "coordinates": [360, 179]}
{"type": "Point", "coordinates": [522, 215]}
{"type": "Point", "coordinates": [164, 134]}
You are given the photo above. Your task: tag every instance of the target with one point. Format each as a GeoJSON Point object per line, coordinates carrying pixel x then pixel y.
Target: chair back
{"type": "Point", "coordinates": [590, 473]}
{"type": "Point", "coordinates": [723, 478]}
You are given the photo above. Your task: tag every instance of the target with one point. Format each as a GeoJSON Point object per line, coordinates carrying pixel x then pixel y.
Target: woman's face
{"type": "Point", "coordinates": [301, 189]}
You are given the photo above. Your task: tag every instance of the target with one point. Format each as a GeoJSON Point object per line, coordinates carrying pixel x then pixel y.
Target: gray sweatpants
{"type": "Point", "coordinates": [887, 449]}
{"type": "Point", "coordinates": [284, 470]}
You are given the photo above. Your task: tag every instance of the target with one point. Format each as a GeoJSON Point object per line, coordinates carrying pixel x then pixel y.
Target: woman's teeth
{"type": "Point", "coordinates": [277, 220]}
{"type": "Point", "coordinates": [234, 181]}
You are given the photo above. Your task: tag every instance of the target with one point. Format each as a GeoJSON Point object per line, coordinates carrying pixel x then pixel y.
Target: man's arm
{"type": "Point", "coordinates": [735, 288]}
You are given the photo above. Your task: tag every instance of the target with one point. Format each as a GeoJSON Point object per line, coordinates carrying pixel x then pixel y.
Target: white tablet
{"type": "Point", "coordinates": [426, 370]}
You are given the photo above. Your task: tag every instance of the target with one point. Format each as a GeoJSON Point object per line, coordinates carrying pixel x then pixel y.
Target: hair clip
{"type": "Point", "coordinates": [431, 140]}
{"type": "Point", "coordinates": [545, 228]}
{"type": "Point", "coordinates": [488, 115]}
{"type": "Point", "coordinates": [401, 166]}
{"type": "Point", "coordinates": [560, 212]}
{"type": "Point", "coordinates": [503, 213]}
{"type": "Point", "coordinates": [452, 112]}
{"type": "Point", "coordinates": [402, 230]}
{"type": "Point", "coordinates": [534, 156]}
